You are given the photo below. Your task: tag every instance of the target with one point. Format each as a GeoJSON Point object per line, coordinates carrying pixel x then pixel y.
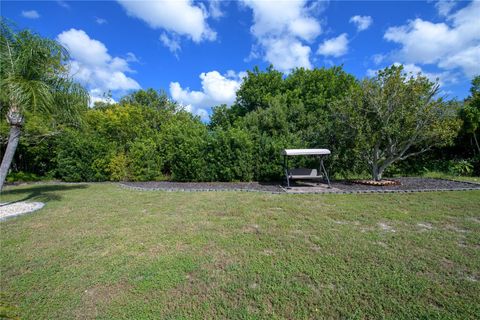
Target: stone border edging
{"type": "Point", "coordinates": [197, 190]}
{"type": "Point", "coordinates": [297, 193]}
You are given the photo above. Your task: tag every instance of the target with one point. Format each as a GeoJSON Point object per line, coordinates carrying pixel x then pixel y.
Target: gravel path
{"type": "Point", "coordinates": [9, 210]}
{"type": "Point", "coordinates": [407, 185]}
{"type": "Point", "coordinates": [204, 186]}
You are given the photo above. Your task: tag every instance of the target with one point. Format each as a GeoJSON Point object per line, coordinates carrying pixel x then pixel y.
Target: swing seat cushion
{"type": "Point", "coordinates": [303, 173]}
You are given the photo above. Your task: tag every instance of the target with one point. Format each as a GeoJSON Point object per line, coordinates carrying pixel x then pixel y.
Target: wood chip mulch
{"type": "Point", "coordinates": [378, 183]}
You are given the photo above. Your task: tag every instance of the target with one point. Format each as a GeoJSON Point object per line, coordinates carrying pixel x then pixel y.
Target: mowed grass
{"type": "Point", "coordinates": [442, 175]}
{"type": "Point", "coordinates": [104, 252]}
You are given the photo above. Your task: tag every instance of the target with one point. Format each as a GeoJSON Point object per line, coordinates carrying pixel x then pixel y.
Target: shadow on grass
{"type": "Point", "coordinates": [43, 193]}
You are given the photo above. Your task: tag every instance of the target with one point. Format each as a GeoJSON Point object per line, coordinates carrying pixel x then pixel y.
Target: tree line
{"type": "Point", "coordinates": [392, 123]}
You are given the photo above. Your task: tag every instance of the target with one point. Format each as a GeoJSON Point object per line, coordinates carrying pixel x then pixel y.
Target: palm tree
{"type": "Point", "coordinates": [33, 79]}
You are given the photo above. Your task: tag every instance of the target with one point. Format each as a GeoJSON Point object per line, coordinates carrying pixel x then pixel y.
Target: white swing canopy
{"type": "Point", "coordinates": [305, 152]}
{"type": "Point", "coordinates": [304, 173]}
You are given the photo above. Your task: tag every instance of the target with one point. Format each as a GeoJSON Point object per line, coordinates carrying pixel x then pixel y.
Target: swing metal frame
{"type": "Point", "coordinates": [305, 174]}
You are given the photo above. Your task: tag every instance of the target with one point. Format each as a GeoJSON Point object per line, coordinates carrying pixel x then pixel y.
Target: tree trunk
{"type": "Point", "coordinates": [375, 163]}
{"type": "Point", "coordinates": [376, 174]}
{"type": "Point", "coordinates": [379, 174]}
{"type": "Point", "coordinates": [476, 141]}
{"type": "Point", "coordinates": [9, 153]}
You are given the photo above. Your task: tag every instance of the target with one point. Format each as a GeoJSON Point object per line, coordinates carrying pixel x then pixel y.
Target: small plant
{"type": "Point", "coordinates": [25, 177]}
{"type": "Point", "coordinates": [460, 167]}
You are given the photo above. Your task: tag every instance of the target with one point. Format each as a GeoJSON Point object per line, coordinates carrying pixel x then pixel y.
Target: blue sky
{"type": "Point", "coordinates": [198, 51]}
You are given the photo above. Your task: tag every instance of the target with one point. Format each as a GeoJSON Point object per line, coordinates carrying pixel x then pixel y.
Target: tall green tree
{"type": "Point", "coordinates": [33, 79]}
{"type": "Point", "coordinates": [257, 88]}
{"type": "Point", "coordinates": [470, 113]}
{"type": "Point", "coordinates": [393, 116]}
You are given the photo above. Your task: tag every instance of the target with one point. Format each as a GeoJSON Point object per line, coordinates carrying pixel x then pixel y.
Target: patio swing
{"type": "Point", "coordinates": [305, 173]}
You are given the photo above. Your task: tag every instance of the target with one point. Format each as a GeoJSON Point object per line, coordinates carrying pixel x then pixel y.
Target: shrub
{"type": "Point", "coordinates": [144, 160]}
{"type": "Point", "coordinates": [182, 143]}
{"type": "Point", "coordinates": [460, 167]}
{"type": "Point", "coordinates": [82, 157]}
{"type": "Point", "coordinates": [118, 168]}
{"type": "Point", "coordinates": [25, 177]}
{"type": "Point", "coordinates": [230, 156]}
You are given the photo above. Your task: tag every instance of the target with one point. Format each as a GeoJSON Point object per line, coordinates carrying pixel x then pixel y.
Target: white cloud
{"type": "Point", "coordinates": [468, 60]}
{"type": "Point", "coordinates": [371, 73]}
{"type": "Point", "coordinates": [93, 66]}
{"type": "Point", "coordinates": [30, 14]}
{"type": "Point", "coordinates": [287, 53]}
{"type": "Point", "coordinates": [96, 95]}
{"type": "Point", "coordinates": [131, 57]}
{"type": "Point", "coordinates": [63, 4]}
{"type": "Point", "coordinates": [100, 21]}
{"type": "Point", "coordinates": [445, 6]}
{"type": "Point", "coordinates": [214, 9]}
{"type": "Point", "coordinates": [283, 30]}
{"type": "Point", "coordinates": [378, 58]}
{"type": "Point", "coordinates": [84, 49]}
{"type": "Point", "coordinates": [361, 22]}
{"type": "Point", "coordinates": [334, 47]}
{"type": "Point", "coordinates": [172, 43]}
{"type": "Point", "coordinates": [413, 70]}
{"type": "Point", "coordinates": [181, 17]}
{"type": "Point", "coordinates": [216, 89]}
{"type": "Point", "coordinates": [448, 45]}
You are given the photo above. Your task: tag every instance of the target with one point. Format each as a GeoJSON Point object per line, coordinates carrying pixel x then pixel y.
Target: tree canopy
{"type": "Point", "coordinates": [392, 116]}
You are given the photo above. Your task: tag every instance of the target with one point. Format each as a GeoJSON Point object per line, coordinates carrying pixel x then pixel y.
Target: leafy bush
{"type": "Point", "coordinates": [460, 167]}
{"type": "Point", "coordinates": [25, 177]}
{"type": "Point", "coordinates": [230, 156]}
{"type": "Point", "coordinates": [82, 157]}
{"type": "Point", "coordinates": [144, 160]}
{"type": "Point", "coordinates": [182, 142]}
{"type": "Point", "coordinates": [118, 168]}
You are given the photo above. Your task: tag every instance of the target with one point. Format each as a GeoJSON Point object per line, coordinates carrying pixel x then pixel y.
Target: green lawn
{"type": "Point", "coordinates": [441, 175]}
{"type": "Point", "coordinates": [101, 251]}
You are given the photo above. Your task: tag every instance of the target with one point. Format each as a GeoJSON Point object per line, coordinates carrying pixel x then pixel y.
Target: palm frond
{"type": "Point", "coordinates": [33, 76]}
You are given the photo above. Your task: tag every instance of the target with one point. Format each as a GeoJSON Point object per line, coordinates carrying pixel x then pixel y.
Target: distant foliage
{"type": "Point", "coordinates": [147, 136]}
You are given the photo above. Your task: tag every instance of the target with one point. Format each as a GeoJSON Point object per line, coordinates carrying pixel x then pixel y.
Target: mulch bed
{"type": "Point", "coordinates": [205, 186]}
{"type": "Point", "coordinates": [409, 184]}
{"type": "Point", "coordinates": [406, 185]}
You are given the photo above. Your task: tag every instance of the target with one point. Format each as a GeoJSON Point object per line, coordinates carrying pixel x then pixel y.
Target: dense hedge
{"type": "Point", "coordinates": [146, 136]}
